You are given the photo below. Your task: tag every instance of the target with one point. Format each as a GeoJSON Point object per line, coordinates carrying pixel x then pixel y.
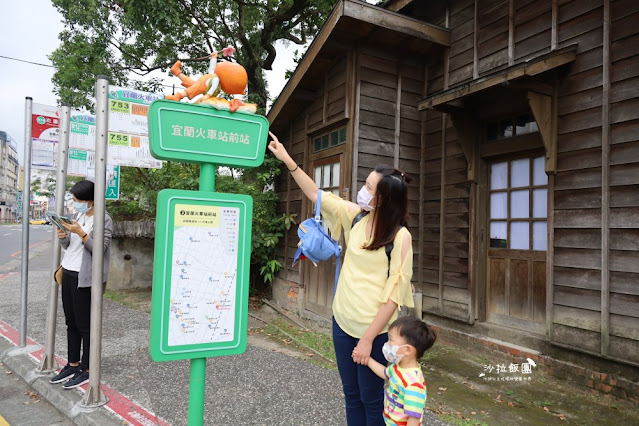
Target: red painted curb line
{"type": "Point", "coordinates": [118, 404]}
{"type": "Point", "coordinates": [7, 275]}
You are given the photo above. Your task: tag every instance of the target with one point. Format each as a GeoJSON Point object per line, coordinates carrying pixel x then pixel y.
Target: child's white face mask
{"type": "Point", "coordinates": [364, 199]}
{"type": "Point", "coordinates": [390, 353]}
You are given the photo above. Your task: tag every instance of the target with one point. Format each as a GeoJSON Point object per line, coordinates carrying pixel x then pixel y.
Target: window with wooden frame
{"type": "Point", "coordinates": [510, 127]}
{"type": "Point", "coordinates": [326, 174]}
{"type": "Point", "coordinates": [518, 204]}
{"type": "Point", "coordinates": [329, 139]}
{"type": "Point", "coordinates": [327, 156]}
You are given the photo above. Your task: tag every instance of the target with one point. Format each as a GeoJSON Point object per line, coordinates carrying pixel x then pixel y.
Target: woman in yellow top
{"type": "Point", "coordinates": [370, 288]}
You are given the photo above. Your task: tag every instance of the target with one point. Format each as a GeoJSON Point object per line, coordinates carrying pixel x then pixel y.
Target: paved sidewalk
{"type": "Point", "coordinates": [259, 387]}
{"type": "Point", "coordinates": [20, 405]}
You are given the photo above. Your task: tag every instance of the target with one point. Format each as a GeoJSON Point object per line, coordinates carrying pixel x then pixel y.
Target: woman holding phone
{"type": "Point", "coordinates": [77, 272]}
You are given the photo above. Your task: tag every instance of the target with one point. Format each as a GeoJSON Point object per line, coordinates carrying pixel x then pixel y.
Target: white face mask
{"type": "Point", "coordinates": [390, 353]}
{"type": "Point", "coordinates": [81, 207]}
{"type": "Point", "coordinates": [364, 199]}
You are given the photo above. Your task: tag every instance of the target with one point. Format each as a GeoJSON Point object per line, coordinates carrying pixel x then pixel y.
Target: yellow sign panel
{"type": "Point", "coordinates": [194, 215]}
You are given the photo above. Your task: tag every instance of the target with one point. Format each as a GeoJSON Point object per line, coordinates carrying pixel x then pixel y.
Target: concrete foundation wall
{"type": "Point", "coordinates": [131, 263]}
{"type": "Point", "coordinates": [131, 255]}
{"type": "Point", "coordinates": [287, 294]}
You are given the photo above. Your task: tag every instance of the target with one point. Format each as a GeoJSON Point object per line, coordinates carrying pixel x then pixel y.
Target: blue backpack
{"type": "Point", "coordinates": [315, 244]}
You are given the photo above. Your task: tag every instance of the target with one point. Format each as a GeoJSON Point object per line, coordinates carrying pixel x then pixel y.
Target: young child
{"type": "Point", "coordinates": [405, 393]}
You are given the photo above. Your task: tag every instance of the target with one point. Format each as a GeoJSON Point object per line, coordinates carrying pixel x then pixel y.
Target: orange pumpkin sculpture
{"type": "Point", "coordinates": [231, 77]}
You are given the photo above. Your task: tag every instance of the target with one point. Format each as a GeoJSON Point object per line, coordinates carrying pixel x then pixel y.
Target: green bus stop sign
{"type": "Point", "coordinates": [203, 134]}
{"type": "Point", "coordinates": [199, 305]}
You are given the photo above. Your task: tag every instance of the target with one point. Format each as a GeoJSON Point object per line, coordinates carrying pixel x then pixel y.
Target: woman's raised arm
{"type": "Point", "coordinates": [305, 183]}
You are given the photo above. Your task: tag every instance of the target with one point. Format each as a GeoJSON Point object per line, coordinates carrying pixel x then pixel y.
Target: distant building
{"type": "Point", "coordinates": [8, 177]}
{"type": "Point", "coordinates": [42, 189]}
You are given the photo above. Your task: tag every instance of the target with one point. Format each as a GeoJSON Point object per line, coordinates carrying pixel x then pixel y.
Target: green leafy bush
{"type": "Point", "coordinates": [138, 201]}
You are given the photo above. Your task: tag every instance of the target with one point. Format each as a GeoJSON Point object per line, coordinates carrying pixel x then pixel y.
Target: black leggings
{"type": "Point", "coordinates": [76, 303]}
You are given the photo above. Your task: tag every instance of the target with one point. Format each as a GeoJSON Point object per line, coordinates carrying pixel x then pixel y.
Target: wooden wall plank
{"type": "Point", "coordinates": [578, 338]}
{"type": "Point", "coordinates": [577, 238]}
{"type": "Point", "coordinates": [577, 298]}
{"type": "Point", "coordinates": [577, 258]}
{"type": "Point", "coordinates": [579, 81]}
{"type": "Point", "coordinates": [580, 219]}
{"type": "Point", "coordinates": [624, 261]}
{"type": "Point", "coordinates": [539, 23]}
{"type": "Point", "coordinates": [576, 141]}
{"type": "Point", "coordinates": [624, 282]}
{"type": "Point", "coordinates": [588, 198]}
{"type": "Point", "coordinates": [624, 304]}
{"type": "Point", "coordinates": [587, 178]}
{"type": "Point", "coordinates": [625, 349]}
{"type": "Point", "coordinates": [577, 318]}
{"type": "Point", "coordinates": [576, 160]}
{"type": "Point", "coordinates": [581, 120]}
{"type": "Point", "coordinates": [627, 153]}
{"type": "Point", "coordinates": [625, 110]}
{"type": "Point", "coordinates": [577, 277]}
{"type": "Point", "coordinates": [624, 326]}
{"type": "Point", "coordinates": [624, 174]}
{"type": "Point", "coordinates": [624, 196]}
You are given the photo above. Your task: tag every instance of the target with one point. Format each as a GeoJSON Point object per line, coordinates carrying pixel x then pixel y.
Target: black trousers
{"type": "Point", "coordinates": [76, 303]}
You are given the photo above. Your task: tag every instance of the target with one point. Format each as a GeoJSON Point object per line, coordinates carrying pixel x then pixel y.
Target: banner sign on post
{"type": "Point", "coordinates": [80, 162]}
{"type": "Point", "coordinates": [82, 134]}
{"type": "Point", "coordinates": [113, 183]}
{"type": "Point", "coordinates": [200, 275]}
{"type": "Point", "coordinates": [128, 128]}
{"type": "Point", "coordinates": [45, 133]}
{"type": "Point", "coordinates": [200, 133]}
{"type": "Point", "coordinates": [81, 144]}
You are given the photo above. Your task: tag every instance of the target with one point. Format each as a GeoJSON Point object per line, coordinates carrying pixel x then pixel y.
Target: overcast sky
{"type": "Point", "coordinates": [30, 31]}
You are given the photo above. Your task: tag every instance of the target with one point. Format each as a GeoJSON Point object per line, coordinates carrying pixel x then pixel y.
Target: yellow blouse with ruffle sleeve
{"type": "Point", "coordinates": [364, 283]}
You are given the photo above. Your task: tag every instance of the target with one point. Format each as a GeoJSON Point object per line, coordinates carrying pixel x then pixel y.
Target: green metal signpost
{"type": "Point", "coordinates": [199, 305]}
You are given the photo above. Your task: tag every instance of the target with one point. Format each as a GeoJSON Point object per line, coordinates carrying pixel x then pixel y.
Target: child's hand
{"type": "Point", "coordinates": [362, 352]}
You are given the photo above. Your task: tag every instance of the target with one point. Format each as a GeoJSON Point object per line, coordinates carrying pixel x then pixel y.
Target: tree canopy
{"type": "Point", "coordinates": [124, 38]}
{"type": "Point", "coordinates": [129, 39]}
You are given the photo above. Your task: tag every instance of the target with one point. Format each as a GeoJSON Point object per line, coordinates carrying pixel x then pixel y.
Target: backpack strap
{"type": "Point", "coordinates": [318, 218]}
{"type": "Point", "coordinates": [359, 217]}
{"type": "Point", "coordinates": [317, 206]}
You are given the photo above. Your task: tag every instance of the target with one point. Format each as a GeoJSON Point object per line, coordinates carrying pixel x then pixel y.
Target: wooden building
{"type": "Point", "coordinates": [519, 123]}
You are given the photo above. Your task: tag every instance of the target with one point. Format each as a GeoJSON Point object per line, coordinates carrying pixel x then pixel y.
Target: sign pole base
{"type": "Point", "coordinates": [196, 392]}
{"type": "Point", "coordinates": [48, 365]}
{"type": "Point", "coordinates": [93, 398]}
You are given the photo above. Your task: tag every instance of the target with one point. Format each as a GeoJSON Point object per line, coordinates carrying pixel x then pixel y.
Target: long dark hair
{"type": "Point", "coordinates": [392, 206]}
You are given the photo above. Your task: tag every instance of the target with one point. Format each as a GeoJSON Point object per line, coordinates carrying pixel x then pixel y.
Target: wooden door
{"type": "Point", "coordinates": [517, 212]}
{"type": "Point", "coordinates": [319, 280]}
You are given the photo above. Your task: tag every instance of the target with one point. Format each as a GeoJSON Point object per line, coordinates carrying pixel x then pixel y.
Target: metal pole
{"type": "Point", "coordinates": [198, 365]}
{"type": "Point", "coordinates": [49, 363]}
{"type": "Point", "coordinates": [196, 392]}
{"type": "Point", "coordinates": [26, 201]}
{"type": "Point", "coordinates": [94, 397]}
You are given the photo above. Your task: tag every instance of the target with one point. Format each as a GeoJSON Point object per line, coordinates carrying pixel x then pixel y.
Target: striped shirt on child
{"type": "Point", "coordinates": [404, 395]}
